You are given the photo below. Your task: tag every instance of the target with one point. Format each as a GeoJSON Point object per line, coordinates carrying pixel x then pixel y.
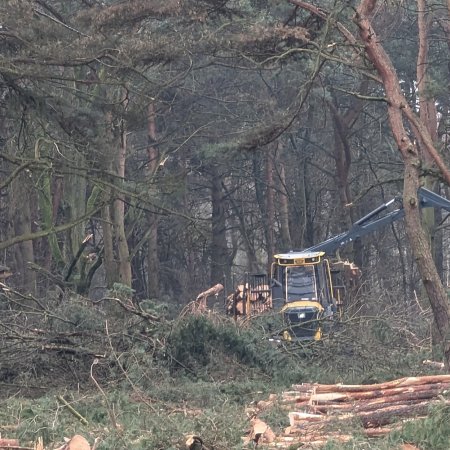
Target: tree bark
{"type": "Point", "coordinates": [152, 217]}
{"type": "Point", "coordinates": [20, 218]}
{"type": "Point", "coordinates": [394, 384]}
{"type": "Point", "coordinates": [283, 196]}
{"type": "Point", "coordinates": [270, 209]}
{"type": "Point", "coordinates": [428, 115]}
{"type": "Point", "coordinates": [342, 124]}
{"type": "Point", "coordinates": [117, 255]}
{"type": "Point", "coordinates": [343, 159]}
{"type": "Point", "coordinates": [397, 108]}
{"type": "Point", "coordinates": [119, 214]}
{"type": "Point", "coordinates": [220, 263]}
{"type": "Point", "coordinates": [74, 195]}
{"type": "Point", "coordinates": [239, 213]}
{"type": "Point", "coordinates": [108, 247]}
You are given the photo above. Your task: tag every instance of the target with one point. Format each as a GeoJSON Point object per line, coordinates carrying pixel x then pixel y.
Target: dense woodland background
{"type": "Point", "coordinates": [151, 149]}
{"type": "Point", "coordinates": [194, 140]}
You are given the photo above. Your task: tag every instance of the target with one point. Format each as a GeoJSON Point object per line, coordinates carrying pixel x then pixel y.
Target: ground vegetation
{"type": "Point", "coordinates": [150, 150]}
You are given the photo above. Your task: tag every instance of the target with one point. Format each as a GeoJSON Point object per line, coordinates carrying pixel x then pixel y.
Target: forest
{"type": "Point", "coordinates": [150, 150]}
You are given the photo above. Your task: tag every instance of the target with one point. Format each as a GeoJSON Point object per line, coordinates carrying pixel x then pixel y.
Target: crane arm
{"type": "Point", "coordinates": [372, 222]}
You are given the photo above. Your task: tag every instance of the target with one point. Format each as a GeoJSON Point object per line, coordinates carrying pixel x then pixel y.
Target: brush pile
{"type": "Point", "coordinates": [318, 412]}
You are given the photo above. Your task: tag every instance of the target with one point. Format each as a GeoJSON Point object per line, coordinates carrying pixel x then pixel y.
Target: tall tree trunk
{"type": "Point", "coordinates": [397, 108]}
{"type": "Point", "coordinates": [152, 217]}
{"type": "Point", "coordinates": [428, 115]}
{"type": "Point", "coordinates": [342, 124]}
{"type": "Point", "coordinates": [427, 112]}
{"type": "Point", "coordinates": [220, 261]}
{"type": "Point", "coordinates": [119, 215]}
{"type": "Point", "coordinates": [343, 159]}
{"type": "Point", "coordinates": [109, 259]}
{"type": "Point", "coordinates": [20, 219]}
{"type": "Point", "coordinates": [283, 200]}
{"type": "Point", "coordinates": [270, 209]}
{"type": "Point", "coordinates": [239, 214]}
{"type": "Point", "coordinates": [75, 197]}
{"type": "Point", "coordinates": [302, 226]}
{"type": "Point", "coordinates": [116, 251]}
{"type": "Point", "coordinates": [257, 172]}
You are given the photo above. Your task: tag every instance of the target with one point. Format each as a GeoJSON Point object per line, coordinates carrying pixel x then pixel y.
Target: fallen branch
{"type": "Point", "coordinates": [132, 309]}
{"type": "Point", "coordinates": [203, 296]}
{"type": "Point", "coordinates": [434, 364]}
{"type": "Point", "coordinates": [109, 407]}
{"type": "Point", "coordinates": [72, 410]}
{"type": "Point", "coordinates": [198, 306]}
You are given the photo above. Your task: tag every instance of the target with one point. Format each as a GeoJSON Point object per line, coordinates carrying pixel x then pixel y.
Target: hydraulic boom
{"type": "Point", "coordinates": [371, 222]}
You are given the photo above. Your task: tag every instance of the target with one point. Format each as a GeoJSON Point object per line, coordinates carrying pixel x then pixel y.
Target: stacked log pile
{"type": "Point", "coordinates": [259, 300]}
{"type": "Point", "coordinates": [318, 412]}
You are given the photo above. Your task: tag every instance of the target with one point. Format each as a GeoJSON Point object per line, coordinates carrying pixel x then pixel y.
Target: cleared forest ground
{"type": "Point", "coordinates": [135, 378]}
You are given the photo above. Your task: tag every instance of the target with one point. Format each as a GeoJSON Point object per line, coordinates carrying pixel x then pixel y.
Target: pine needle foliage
{"type": "Point", "coordinates": [432, 432]}
{"type": "Point", "coordinates": [200, 347]}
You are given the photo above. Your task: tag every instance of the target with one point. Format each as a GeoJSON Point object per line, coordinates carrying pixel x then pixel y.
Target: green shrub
{"type": "Point", "coordinates": [432, 433]}
{"type": "Point", "coordinates": [201, 347]}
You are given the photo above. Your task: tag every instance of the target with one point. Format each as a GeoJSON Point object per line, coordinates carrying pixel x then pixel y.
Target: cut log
{"type": "Point", "coordinates": [381, 431]}
{"type": "Point", "coordinates": [77, 442]}
{"type": "Point", "coordinates": [310, 440]}
{"type": "Point", "coordinates": [311, 437]}
{"type": "Point", "coordinates": [9, 442]}
{"type": "Point", "coordinates": [407, 381]}
{"type": "Point", "coordinates": [369, 419]}
{"type": "Point", "coordinates": [378, 408]}
{"type": "Point", "coordinates": [358, 407]}
{"type": "Point", "coordinates": [235, 302]}
{"type": "Point", "coordinates": [390, 414]}
{"type": "Point", "coordinates": [372, 404]}
{"type": "Point", "coordinates": [15, 447]}
{"type": "Point", "coordinates": [260, 432]}
{"type": "Point", "coordinates": [12, 444]}
{"type": "Point", "coordinates": [333, 397]}
{"type": "Point", "coordinates": [435, 364]}
{"type": "Point", "coordinates": [296, 417]}
{"type": "Point", "coordinates": [211, 291]}
{"type": "Point", "coordinates": [202, 297]}
{"type": "Point", "coordinates": [194, 443]}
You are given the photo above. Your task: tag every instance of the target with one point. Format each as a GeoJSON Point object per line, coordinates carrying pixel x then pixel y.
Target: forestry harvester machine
{"type": "Point", "coordinates": [307, 287]}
